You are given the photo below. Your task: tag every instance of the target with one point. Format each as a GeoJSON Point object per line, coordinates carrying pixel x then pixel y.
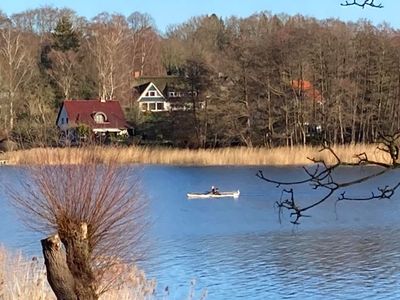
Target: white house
{"type": "Point", "coordinates": [152, 99]}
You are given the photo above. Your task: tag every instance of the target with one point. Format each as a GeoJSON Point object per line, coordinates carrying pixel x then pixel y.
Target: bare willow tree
{"type": "Point", "coordinates": [321, 176]}
{"type": "Point", "coordinates": [94, 217]}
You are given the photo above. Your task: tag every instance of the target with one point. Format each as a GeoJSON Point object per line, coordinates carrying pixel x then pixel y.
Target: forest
{"type": "Point", "coordinates": [264, 80]}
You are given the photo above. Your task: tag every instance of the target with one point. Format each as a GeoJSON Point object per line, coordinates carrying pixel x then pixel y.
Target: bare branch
{"type": "Point", "coordinates": [95, 199]}
{"type": "Point", "coordinates": [290, 204]}
{"type": "Point", "coordinates": [321, 176]}
{"type": "Point", "coordinates": [383, 193]}
{"type": "Point", "coordinates": [362, 3]}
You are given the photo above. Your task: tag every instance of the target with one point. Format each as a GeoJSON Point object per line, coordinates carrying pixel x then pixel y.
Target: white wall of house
{"type": "Point", "coordinates": [153, 100]}
{"type": "Point", "coordinates": [154, 105]}
{"type": "Point", "coordinates": [111, 130]}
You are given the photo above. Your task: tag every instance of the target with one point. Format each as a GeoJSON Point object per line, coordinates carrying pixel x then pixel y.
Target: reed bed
{"type": "Point", "coordinates": [202, 157]}
{"type": "Point", "coordinates": [21, 279]}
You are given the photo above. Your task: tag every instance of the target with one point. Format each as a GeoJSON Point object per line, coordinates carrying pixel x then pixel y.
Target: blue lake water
{"type": "Point", "coordinates": [237, 249]}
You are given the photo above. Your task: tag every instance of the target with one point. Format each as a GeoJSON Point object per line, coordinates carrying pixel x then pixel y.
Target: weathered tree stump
{"type": "Point", "coordinates": [58, 274]}
{"type": "Point", "coordinates": [70, 273]}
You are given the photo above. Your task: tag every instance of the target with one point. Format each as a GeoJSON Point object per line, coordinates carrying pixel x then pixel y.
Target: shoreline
{"type": "Point", "coordinates": [240, 156]}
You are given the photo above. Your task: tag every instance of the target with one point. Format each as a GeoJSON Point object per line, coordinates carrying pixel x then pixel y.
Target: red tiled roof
{"type": "Point", "coordinates": [83, 111]}
{"type": "Point", "coordinates": [310, 92]}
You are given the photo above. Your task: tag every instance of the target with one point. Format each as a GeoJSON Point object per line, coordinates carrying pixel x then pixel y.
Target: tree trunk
{"type": "Point", "coordinates": [11, 115]}
{"type": "Point", "coordinates": [58, 274]}
{"type": "Point", "coordinates": [70, 274]}
{"type": "Point", "coordinates": [341, 126]}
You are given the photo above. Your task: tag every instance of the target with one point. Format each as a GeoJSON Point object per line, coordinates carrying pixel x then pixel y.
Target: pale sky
{"type": "Point", "coordinates": [166, 12]}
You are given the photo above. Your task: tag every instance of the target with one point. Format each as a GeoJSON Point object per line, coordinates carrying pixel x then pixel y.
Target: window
{"type": "Point", "coordinates": [100, 118]}
{"type": "Point", "coordinates": [152, 106]}
{"type": "Point", "coordinates": [144, 106]}
{"type": "Point", "coordinates": [160, 106]}
{"type": "Point", "coordinates": [151, 93]}
{"type": "Point", "coordinates": [171, 94]}
{"type": "Point", "coordinates": [62, 120]}
{"type": "Point", "coordinates": [66, 120]}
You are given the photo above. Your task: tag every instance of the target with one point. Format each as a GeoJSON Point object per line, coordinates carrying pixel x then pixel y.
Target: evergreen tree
{"type": "Point", "coordinates": [65, 37]}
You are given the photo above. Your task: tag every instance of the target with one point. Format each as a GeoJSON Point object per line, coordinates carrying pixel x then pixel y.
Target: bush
{"type": "Point", "coordinates": [96, 212]}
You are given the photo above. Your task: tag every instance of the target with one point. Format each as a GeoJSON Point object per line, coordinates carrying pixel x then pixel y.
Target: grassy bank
{"type": "Point", "coordinates": [170, 156]}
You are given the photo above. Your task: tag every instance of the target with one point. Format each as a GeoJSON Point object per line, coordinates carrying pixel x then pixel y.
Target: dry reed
{"type": "Point", "coordinates": [21, 279]}
{"type": "Point", "coordinates": [225, 156]}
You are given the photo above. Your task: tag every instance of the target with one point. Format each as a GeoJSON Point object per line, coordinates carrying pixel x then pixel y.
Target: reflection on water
{"type": "Point", "coordinates": [317, 265]}
{"type": "Point", "coordinates": [236, 249]}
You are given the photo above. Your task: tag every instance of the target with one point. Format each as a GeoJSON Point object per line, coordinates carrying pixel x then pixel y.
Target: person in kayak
{"type": "Point", "coordinates": [215, 191]}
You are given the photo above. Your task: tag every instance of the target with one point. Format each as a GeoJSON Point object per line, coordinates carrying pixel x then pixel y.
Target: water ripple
{"type": "Point", "coordinates": [347, 264]}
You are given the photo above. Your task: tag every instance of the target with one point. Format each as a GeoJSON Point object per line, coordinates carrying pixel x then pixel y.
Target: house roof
{"type": "Point", "coordinates": [160, 82]}
{"type": "Point", "coordinates": [163, 84]}
{"type": "Point", "coordinates": [307, 88]}
{"type": "Point", "coordinates": [83, 112]}
{"type": "Point", "coordinates": [144, 88]}
{"type": "Point", "coordinates": [141, 88]}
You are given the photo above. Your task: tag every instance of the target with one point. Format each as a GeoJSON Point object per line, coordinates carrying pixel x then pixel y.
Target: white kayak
{"type": "Point", "coordinates": [210, 195]}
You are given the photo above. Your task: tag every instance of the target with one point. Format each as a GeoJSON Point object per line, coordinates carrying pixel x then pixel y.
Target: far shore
{"type": "Point", "coordinates": [239, 156]}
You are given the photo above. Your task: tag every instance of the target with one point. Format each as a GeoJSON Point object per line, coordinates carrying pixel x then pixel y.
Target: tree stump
{"type": "Point", "coordinates": [69, 272]}
{"type": "Point", "coordinates": [58, 274]}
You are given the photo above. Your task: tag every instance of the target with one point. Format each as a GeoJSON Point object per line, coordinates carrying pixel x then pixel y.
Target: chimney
{"type": "Point", "coordinates": [136, 74]}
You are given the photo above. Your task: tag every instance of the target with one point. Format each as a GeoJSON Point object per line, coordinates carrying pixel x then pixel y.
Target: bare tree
{"type": "Point", "coordinates": [142, 40]}
{"type": "Point", "coordinates": [16, 64]}
{"type": "Point", "coordinates": [94, 217]}
{"type": "Point", "coordinates": [107, 44]}
{"type": "Point", "coordinates": [63, 70]}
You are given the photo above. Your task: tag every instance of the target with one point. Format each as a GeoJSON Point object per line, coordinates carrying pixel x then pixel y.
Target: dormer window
{"type": "Point", "coordinates": [100, 118]}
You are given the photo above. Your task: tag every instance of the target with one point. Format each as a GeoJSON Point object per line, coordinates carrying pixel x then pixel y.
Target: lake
{"type": "Point", "coordinates": [238, 249]}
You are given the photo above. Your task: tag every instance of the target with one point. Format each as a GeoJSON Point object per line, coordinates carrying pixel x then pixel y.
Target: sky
{"type": "Point", "coordinates": [169, 12]}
